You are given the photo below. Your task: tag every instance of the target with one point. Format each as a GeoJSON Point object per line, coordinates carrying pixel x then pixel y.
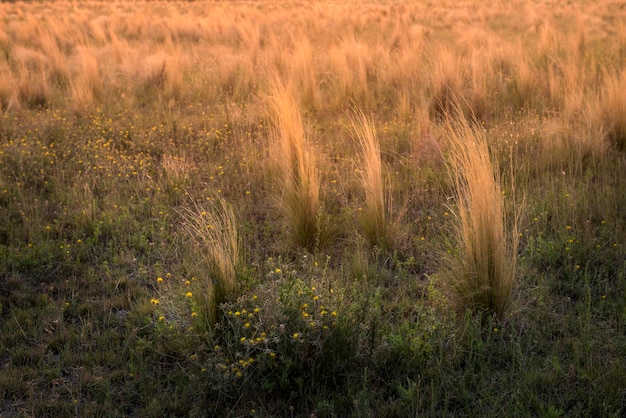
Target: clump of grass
{"type": "Point", "coordinates": [447, 81]}
{"type": "Point", "coordinates": [87, 87]}
{"type": "Point", "coordinates": [214, 232]}
{"type": "Point", "coordinates": [483, 275]}
{"type": "Point", "coordinates": [298, 175]}
{"type": "Point", "coordinates": [377, 228]}
{"type": "Point", "coordinates": [613, 109]}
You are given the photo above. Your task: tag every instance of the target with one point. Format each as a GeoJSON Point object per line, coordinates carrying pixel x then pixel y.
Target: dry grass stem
{"type": "Point", "coordinates": [483, 276]}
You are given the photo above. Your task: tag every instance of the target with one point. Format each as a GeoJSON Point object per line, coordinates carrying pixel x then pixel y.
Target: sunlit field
{"type": "Point", "coordinates": [330, 209]}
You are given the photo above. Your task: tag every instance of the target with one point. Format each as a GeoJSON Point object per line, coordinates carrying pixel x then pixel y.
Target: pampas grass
{"type": "Point", "coordinates": [298, 177]}
{"type": "Point", "coordinates": [612, 109]}
{"type": "Point", "coordinates": [214, 234]}
{"type": "Point", "coordinates": [377, 229]}
{"type": "Point", "coordinates": [483, 274]}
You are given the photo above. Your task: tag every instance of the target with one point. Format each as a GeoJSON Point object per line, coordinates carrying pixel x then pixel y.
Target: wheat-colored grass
{"type": "Point", "coordinates": [303, 74]}
{"type": "Point", "coordinates": [298, 177]}
{"type": "Point", "coordinates": [377, 229]}
{"type": "Point", "coordinates": [483, 275]}
{"type": "Point", "coordinates": [612, 108]}
{"type": "Point", "coordinates": [213, 232]}
{"type": "Point", "coordinates": [446, 81]}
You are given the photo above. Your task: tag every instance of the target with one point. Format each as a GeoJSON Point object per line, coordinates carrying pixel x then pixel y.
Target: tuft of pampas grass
{"type": "Point", "coordinates": [483, 274]}
{"type": "Point", "coordinates": [612, 109]}
{"type": "Point", "coordinates": [298, 176]}
{"type": "Point", "coordinates": [377, 228]}
{"type": "Point", "coordinates": [214, 234]}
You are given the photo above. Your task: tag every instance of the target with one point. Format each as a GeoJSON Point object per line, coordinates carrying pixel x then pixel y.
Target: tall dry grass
{"type": "Point", "coordinates": [612, 108]}
{"type": "Point", "coordinates": [215, 237]}
{"type": "Point", "coordinates": [86, 87]}
{"type": "Point", "coordinates": [483, 274]}
{"type": "Point", "coordinates": [446, 80]}
{"type": "Point", "coordinates": [377, 229]}
{"type": "Point", "coordinates": [303, 74]}
{"type": "Point", "coordinates": [298, 176]}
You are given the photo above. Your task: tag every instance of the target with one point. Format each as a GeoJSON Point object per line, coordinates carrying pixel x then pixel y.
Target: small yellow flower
{"type": "Point", "coordinates": [159, 279]}
{"type": "Point", "coordinates": [194, 314]}
{"type": "Point", "coordinates": [296, 335]}
{"type": "Point", "coordinates": [161, 318]}
{"type": "Point", "coordinates": [242, 339]}
{"type": "Point", "coordinates": [237, 313]}
{"type": "Point", "coordinates": [188, 294]}
{"type": "Point", "coordinates": [256, 310]}
{"type": "Point", "coordinates": [316, 298]}
{"type": "Point", "coordinates": [154, 301]}
{"type": "Point", "coordinates": [187, 282]}
{"type": "Point", "coordinates": [334, 313]}
{"type": "Point", "coordinates": [277, 270]}
{"type": "Point", "coordinates": [246, 325]}
{"type": "Point", "coordinates": [272, 354]}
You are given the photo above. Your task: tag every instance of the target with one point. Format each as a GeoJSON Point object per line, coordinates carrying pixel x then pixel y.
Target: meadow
{"type": "Point", "coordinates": [330, 209]}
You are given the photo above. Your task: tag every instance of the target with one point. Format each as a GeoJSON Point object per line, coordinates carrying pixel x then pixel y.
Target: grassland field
{"type": "Point", "coordinates": [313, 208]}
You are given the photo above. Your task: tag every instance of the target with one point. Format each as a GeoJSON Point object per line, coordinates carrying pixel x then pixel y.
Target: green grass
{"type": "Point", "coordinates": [107, 268]}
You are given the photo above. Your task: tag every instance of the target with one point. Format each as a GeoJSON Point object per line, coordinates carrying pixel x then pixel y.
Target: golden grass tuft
{"type": "Point", "coordinates": [612, 109]}
{"type": "Point", "coordinates": [298, 176]}
{"type": "Point", "coordinates": [377, 229]}
{"type": "Point", "coordinates": [213, 231]}
{"type": "Point", "coordinates": [447, 81]}
{"type": "Point", "coordinates": [87, 87]}
{"type": "Point", "coordinates": [483, 275]}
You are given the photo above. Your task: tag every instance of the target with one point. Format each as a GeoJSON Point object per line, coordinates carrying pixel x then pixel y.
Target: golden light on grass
{"type": "Point", "coordinates": [612, 108]}
{"type": "Point", "coordinates": [298, 177]}
{"type": "Point", "coordinates": [214, 234]}
{"type": "Point", "coordinates": [377, 229]}
{"type": "Point", "coordinates": [483, 274]}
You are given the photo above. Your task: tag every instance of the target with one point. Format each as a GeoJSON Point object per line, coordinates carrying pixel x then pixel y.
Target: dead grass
{"type": "Point", "coordinates": [483, 275]}
{"type": "Point", "coordinates": [377, 229]}
{"type": "Point", "coordinates": [298, 177]}
{"type": "Point", "coordinates": [213, 232]}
